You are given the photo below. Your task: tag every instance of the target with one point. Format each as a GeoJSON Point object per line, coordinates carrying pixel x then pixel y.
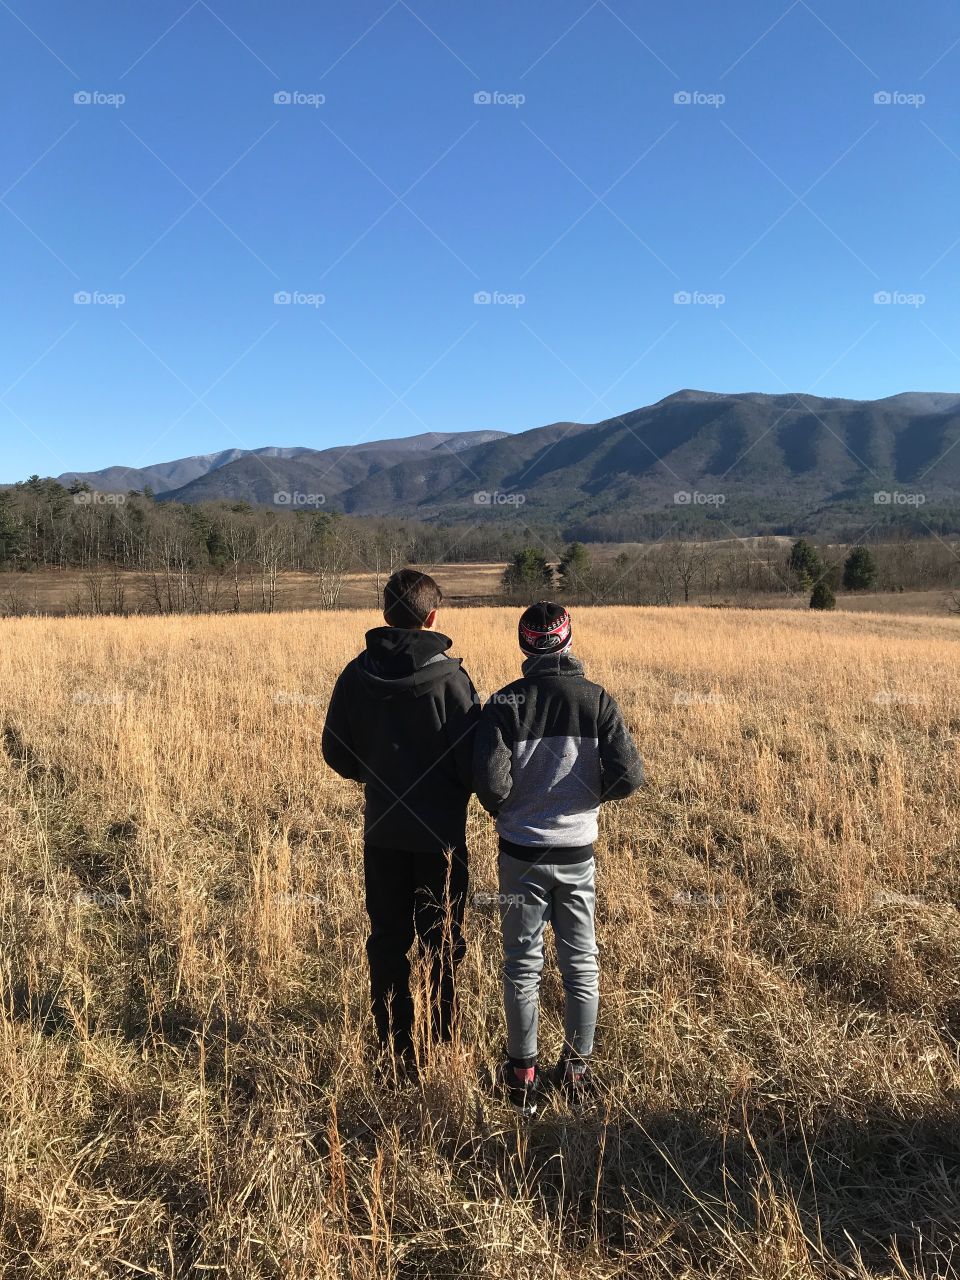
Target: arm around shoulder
{"type": "Point", "coordinates": [492, 760]}
{"type": "Point", "coordinates": [620, 760]}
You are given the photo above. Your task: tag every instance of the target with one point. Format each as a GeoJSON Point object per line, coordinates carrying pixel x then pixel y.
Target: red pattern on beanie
{"type": "Point", "coordinates": [545, 628]}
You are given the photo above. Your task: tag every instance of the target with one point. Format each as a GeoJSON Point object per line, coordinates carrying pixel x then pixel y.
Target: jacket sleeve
{"type": "Point", "coordinates": [337, 743]}
{"type": "Point", "coordinates": [620, 763]}
{"type": "Point", "coordinates": [492, 759]}
{"type": "Point", "coordinates": [462, 711]}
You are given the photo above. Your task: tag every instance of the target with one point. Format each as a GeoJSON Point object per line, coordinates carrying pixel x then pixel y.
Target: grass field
{"type": "Point", "coordinates": [185, 1043]}
{"type": "Point", "coordinates": [70, 591]}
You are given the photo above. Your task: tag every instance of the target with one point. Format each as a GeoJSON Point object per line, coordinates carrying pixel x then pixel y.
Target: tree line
{"type": "Point", "coordinates": [215, 556]}
{"type": "Point", "coordinates": [680, 570]}
{"type": "Point", "coordinates": [223, 556]}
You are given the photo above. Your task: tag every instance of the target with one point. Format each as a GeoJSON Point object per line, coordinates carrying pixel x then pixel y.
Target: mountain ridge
{"type": "Point", "coordinates": [770, 460]}
{"type": "Point", "coordinates": [164, 477]}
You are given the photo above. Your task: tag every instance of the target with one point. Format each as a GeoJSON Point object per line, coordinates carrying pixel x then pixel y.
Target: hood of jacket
{"type": "Point", "coordinates": [402, 661]}
{"type": "Point", "coordinates": [552, 664]}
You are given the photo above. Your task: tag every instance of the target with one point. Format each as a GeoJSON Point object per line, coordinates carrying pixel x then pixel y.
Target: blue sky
{"type": "Point", "coordinates": [584, 188]}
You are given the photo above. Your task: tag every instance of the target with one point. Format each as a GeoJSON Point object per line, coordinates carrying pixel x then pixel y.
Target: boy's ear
{"type": "Point", "coordinates": [430, 621]}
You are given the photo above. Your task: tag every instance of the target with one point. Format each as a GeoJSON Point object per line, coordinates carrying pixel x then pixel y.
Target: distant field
{"type": "Point", "coordinates": [70, 592]}
{"type": "Point", "coordinates": [184, 1037]}
{"type": "Point", "coordinates": [49, 591]}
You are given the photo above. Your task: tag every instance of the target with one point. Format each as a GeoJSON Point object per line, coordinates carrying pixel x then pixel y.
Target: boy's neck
{"type": "Point", "coordinates": [425, 626]}
{"type": "Point", "coordinates": [551, 661]}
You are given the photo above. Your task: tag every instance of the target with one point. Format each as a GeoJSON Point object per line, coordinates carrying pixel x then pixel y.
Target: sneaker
{"type": "Point", "coordinates": [520, 1086]}
{"type": "Point", "coordinates": [573, 1078]}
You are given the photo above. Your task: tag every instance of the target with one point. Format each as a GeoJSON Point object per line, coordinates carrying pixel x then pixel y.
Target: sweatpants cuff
{"type": "Point", "coordinates": [522, 1064]}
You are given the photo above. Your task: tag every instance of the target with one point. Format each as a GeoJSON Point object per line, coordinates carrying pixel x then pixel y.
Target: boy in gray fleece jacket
{"type": "Point", "coordinates": [550, 749]}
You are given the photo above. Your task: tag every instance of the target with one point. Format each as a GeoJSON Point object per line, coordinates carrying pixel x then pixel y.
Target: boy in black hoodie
{"type": "Point", "coordinates": [401, 721]}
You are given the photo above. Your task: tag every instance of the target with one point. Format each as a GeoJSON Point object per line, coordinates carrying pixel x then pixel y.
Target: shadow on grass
{"type": "Point", "coordinates": [877, 1187]}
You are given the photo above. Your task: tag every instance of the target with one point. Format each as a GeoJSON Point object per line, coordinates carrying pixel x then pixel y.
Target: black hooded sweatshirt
{"type": "Point", "coordinates": [401, 720]}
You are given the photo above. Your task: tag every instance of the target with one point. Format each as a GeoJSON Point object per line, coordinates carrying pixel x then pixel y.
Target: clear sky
{"type": "Point", "coordinates": [583, 196]}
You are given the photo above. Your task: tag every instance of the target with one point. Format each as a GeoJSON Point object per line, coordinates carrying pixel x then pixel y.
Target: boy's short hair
{"type": "Point", "coordinates": [409, 598]}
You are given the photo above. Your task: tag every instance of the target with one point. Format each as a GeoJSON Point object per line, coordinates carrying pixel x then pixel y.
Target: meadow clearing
{"type": "Point", "coordinates": [184, 1037]}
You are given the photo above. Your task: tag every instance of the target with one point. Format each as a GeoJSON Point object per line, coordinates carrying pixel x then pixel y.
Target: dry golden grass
{"type": "Point", "coordinates": [185, 1046]}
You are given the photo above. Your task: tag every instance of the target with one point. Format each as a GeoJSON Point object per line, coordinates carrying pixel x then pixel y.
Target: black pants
{"type": "Point", "coordinates": [413, 895]}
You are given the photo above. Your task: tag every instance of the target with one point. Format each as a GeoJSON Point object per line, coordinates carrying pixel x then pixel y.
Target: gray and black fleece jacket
{"type": "Point", "coordinates": [551, 747]}
{"type": "Point", "coordinates": [401, 720]}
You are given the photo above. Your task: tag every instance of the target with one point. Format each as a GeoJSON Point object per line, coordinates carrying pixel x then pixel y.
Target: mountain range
{"type": "Point", "coordinates": [253, 475]}
{"type": "Point", "coordinates": [773, 462]}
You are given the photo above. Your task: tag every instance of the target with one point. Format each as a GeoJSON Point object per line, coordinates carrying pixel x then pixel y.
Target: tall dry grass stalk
{"type": "Point", "coordinates": [185, 1047]}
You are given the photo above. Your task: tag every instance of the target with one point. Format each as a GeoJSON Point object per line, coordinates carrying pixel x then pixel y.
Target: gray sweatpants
{"type": "Point", "coordinates": [531, 895]}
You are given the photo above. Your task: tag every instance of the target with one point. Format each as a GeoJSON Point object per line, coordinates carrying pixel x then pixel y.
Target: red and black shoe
{"type": "Point", "coordinates": [573, 1078]}
{"type": "Point", "coordinates": [520, 1085]}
